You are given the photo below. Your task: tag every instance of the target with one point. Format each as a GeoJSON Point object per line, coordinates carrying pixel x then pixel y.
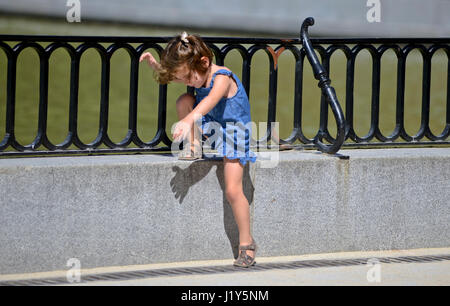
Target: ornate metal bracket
{"type": "Point", "coordinates": [327, 92]}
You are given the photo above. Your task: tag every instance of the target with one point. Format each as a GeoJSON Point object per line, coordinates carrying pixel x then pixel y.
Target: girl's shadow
{"type": "Point", "coordinates": [185, 178]}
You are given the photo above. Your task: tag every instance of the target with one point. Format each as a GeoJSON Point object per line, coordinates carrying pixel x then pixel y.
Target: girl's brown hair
{"type": "Point", "coordinates": [183, 50]}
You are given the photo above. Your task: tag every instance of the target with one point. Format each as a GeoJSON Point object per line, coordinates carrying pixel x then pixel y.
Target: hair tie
{"type": "Point", "coordinates": [184, 36]}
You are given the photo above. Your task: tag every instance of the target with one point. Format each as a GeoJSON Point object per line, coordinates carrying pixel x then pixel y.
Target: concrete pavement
{"type": "Point", "coordinates": [273, 271]}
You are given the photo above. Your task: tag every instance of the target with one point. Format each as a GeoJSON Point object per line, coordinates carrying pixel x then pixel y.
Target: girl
{"type": "Point", "coordinates": [221, 102]}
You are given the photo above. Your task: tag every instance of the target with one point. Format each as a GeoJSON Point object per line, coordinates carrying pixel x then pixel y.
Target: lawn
{"type": "Point", "coordinates": [27, 91]}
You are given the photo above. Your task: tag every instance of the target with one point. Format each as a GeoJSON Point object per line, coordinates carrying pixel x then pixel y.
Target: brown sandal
{"type": "Point", "coordinates": [244, 260]}
{"type": "Point", "coordinates": [193, 154]}
{"type": "Point", "coordinates": [285, 147]}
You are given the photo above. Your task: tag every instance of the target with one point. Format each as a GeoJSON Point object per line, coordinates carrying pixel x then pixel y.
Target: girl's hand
{"type": "Point", "coordinates": [150, 60]}
{"type": "Point", "coordinates": [182, 129]}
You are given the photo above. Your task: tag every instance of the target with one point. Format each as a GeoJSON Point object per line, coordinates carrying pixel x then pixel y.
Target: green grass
{"type": "Point", "coordinates": [27, 92]}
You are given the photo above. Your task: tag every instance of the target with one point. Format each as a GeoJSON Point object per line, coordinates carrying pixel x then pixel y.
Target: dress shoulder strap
{"type": "Point", "coordinates": [220, 71]}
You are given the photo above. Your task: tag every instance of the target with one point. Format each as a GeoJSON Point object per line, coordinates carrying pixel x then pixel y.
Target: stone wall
{"type": "Point", "coordinates": [142, 209]}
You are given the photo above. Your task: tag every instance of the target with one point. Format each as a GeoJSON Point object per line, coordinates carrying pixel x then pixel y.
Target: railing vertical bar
{"type": "Point", "coordinates": [72, 136]}
{"type": "Point", "coordinates": [132, 121]}
{"type": "Point", "coordinates": [272, 101]}
{"type": "Point", "coordinates": [162, 116]}
{"type": "Point", "coordinates": [10, 99]}
{"type": "Point", "coordinates": [400, 111]}
{"type": "Point", "coordinates": [43, 101]}
{"type": "Point", "coordinates": [426, 82]}
{"type": "Point", "coordinates": [246, 75]}
{"type": "Point", "coordinates": [298, 101]}
{"type": "Point", "coordinates": [45, 141]}
{"type": "Point", "coordinates": [375, 120]}
{"type": "Point", "coordinates": [17, 49]}
{"type": "Point", "coordinates": [349, 97]}
{"type": "Point", "coordinates": [448, 97]}
{"type": "Point", "coordinates": [104, 100]}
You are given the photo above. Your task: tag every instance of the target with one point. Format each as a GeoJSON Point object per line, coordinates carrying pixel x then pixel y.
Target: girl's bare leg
{"type": "Point", "coordinates": [233, 172]}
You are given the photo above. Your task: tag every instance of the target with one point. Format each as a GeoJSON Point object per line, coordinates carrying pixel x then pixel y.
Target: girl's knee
{"type": "Point", "coordinates": [185, 103]}
{"type": "Point", "coordinates": [233, 193]}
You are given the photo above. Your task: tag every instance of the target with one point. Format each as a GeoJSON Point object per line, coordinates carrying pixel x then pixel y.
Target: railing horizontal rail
{"type": "Point", "coordinates": [225, 40]}
{"type": "Point", "coordinates": [13, 45]}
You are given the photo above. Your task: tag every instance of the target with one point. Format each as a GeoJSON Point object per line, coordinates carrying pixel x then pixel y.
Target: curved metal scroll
{"type": "Point", "coordinates": [327, 91]}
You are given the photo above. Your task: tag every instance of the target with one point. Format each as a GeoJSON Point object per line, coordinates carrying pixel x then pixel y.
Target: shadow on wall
{"type": "Point", "coordinates": [185, 178]}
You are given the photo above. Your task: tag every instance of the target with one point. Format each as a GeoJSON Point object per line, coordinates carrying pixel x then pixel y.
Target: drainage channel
{"type": "Point", "coordinates": [130, 275]}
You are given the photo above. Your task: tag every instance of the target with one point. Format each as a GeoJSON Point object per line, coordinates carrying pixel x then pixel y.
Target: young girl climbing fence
{"type": "Point", "coordinates": [221, 106]}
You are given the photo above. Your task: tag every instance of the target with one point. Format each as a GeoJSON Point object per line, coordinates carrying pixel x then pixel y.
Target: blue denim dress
{"type": "Point", "coordinates": [228, 124]}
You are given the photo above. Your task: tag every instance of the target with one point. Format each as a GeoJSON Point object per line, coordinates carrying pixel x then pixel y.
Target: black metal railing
{"type": "Point", "coordinates": [323, 140]}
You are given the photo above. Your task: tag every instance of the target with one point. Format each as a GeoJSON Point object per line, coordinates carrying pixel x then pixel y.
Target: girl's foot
{"type": "Point", "coordinates": [194, 153]}
{"type": "Point", "coordinates": [246, 256]}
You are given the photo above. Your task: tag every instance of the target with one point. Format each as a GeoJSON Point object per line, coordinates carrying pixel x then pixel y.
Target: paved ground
{"type": "Point", "coordinates": [410, 274]}
{"type": "Point", "coordinates": [431, 273]}
{"type": "Point", "coordinates": [374, 272]}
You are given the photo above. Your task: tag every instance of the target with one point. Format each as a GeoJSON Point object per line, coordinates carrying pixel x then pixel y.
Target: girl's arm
{"type": "Point", "coordinates": [220, 89]}
{"type": "Point", "coordinates": [150, 60]}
